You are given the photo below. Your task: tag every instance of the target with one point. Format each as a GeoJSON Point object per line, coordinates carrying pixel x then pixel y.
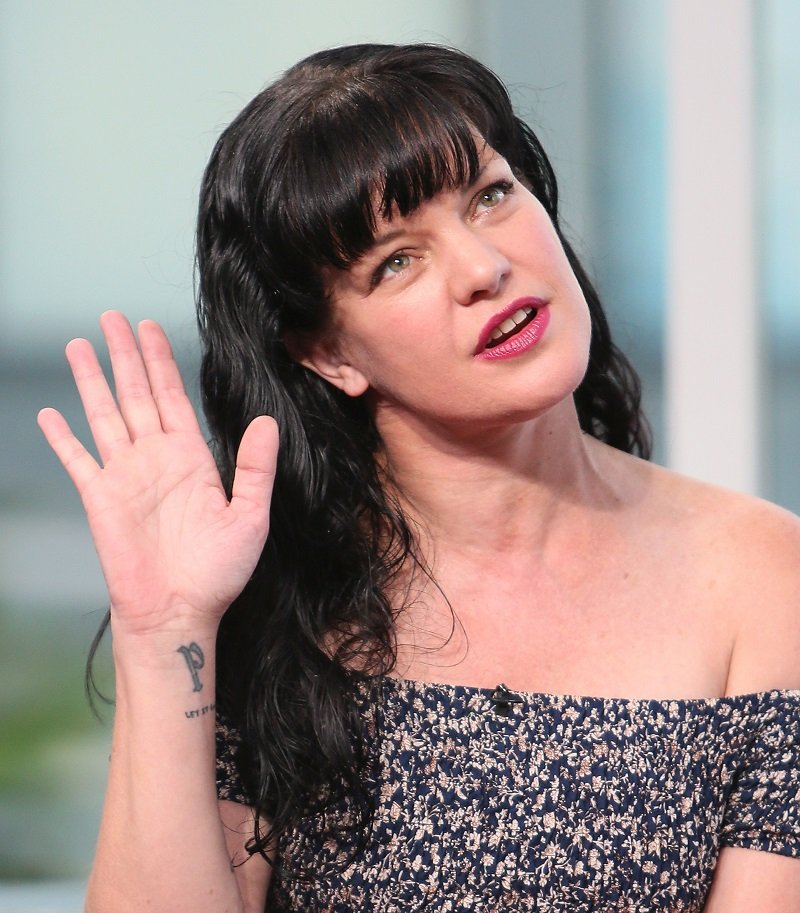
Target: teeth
{"type": "Point", "coordinates": [510, 322]}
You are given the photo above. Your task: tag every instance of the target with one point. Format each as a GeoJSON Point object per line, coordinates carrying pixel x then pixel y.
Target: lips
{"type": "Point", "coordinates": [508, 323]}
{"type": "Point", "coordinates": [510, 326]}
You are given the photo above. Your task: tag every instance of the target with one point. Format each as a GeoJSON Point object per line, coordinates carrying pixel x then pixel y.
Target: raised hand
{"type": "Point", "coordinates": [171, 545]}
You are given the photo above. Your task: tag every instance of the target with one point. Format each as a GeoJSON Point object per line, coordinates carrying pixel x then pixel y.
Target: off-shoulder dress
{"type": "Point", "coordinates": [550, 803]}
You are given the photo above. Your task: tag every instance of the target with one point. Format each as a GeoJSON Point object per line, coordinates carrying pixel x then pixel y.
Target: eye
{"type": "Point", "coordinates": [391, 266]}
{"type": "Point", "coordinates": [491, 196]}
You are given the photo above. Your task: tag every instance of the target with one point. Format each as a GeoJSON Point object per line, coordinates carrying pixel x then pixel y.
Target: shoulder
{"type": "Point", "coordinates": [747, 551]}
{"type": "Point", "coordinates": [766, 553]}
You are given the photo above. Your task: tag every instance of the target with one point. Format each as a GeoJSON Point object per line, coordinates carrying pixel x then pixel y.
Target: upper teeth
{"type": "Point", "coordinates": [509, 323]}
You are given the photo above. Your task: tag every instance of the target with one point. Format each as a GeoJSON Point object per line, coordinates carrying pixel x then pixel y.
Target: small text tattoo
{"type": "Point", "coordinates": [194, 660]}
{"type": "Point", "coordinates": [201, 711]}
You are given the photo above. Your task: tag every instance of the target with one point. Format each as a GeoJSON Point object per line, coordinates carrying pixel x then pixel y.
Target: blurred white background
{"type": "Point", "coordinates": [109, 111]}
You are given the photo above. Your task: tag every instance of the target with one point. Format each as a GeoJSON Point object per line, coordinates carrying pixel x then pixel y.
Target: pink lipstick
{"type": "Point", "coordinates": [514, 330]}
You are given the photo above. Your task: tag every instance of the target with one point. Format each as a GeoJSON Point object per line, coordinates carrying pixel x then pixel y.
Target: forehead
{"type": "Point", "coordinates": [393, 226]}
{"type": "Point", "coordinates": [389, 221]}
{"type": "Point", "coordinates": [356, 194]}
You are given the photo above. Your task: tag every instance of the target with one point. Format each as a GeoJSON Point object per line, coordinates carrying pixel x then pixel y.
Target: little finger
{"type": "Point", "coordinates": [74, 457]}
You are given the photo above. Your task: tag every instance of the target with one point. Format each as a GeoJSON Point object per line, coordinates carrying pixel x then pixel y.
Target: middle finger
{"type": "Point", "coordinates": [130, 377]}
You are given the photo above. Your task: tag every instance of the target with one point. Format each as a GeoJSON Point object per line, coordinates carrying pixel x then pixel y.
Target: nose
{"type": "Point", "coordinates": [477, 267]}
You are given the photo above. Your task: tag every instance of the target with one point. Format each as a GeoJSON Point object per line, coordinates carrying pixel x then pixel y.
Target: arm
{"type": "Point", "coordinates": [175, 553]}
{"type": "Point", "coordinates": [253, 873]}
{"type": "Point", "coordinates": [747, 880]}
{"type": "Point", "coordinates": [766, 657]}
{"type": "Point", "coordinates": [162, 844]}
{"type": "Point", "coordinates": [165, 842]}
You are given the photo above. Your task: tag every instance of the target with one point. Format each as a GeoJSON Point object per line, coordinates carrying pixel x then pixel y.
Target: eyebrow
{"type": "Point", "coordinates": [385, 238]}
{"type": "Point", "coordinates": [392, 234]}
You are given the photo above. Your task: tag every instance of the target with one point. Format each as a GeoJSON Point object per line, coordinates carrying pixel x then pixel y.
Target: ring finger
{"type": "Point", "coordinates": [105, 421]}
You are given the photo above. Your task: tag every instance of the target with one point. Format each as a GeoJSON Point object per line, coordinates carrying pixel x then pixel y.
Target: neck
{"type": "Point", "coordinates": [494, 490]}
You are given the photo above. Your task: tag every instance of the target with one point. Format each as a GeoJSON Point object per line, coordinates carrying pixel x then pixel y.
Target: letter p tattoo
{"type": "Point", "coordinates": [194, 660]}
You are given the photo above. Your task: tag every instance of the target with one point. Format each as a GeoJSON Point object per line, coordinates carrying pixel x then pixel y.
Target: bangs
{"type": "Point", "coordinates": [375, 148]}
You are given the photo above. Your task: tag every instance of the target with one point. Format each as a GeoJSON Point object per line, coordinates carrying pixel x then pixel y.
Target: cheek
{"type": "Point", "coordinates": [546, 254]}
{"type": "Point", "coordinates": [405, 365]}
{"type": "Point", "coordinates": [404, 340]}
{"type": "Point", "coordinates": [409, 366]}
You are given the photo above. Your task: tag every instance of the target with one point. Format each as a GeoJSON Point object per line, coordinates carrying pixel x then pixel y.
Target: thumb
{"type": "Point", "coordinates": [255, 467]}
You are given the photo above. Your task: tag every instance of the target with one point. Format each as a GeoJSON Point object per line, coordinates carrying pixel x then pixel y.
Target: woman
{"type": "Point", "coordinates": [461, 539]}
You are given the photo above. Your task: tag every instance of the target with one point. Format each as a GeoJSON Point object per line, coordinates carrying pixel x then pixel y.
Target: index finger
{"type": "Point", "coordinates": [174, 406]}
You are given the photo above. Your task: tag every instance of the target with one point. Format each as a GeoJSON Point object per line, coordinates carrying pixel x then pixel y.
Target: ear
{"type": "Point", "coordinates": [323, 358]}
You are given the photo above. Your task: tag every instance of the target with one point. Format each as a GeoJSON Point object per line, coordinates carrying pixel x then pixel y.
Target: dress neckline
{"type": "Point", "coordinates": [466, 692]}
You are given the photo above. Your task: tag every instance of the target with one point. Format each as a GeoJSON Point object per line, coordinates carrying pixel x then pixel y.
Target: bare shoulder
{"type": "Point", "coordinates": [748, 550]}
{"type": "Point", "coordinates": [757, 542]}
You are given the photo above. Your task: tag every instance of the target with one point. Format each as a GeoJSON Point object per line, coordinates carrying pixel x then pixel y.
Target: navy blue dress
{"type": "Point", "coordinates": [554, 803]}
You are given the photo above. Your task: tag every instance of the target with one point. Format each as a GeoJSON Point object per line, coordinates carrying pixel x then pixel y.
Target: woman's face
{"type": "Point", "coordinates": [464, 311]}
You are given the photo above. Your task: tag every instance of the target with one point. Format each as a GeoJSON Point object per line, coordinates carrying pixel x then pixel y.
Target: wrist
{"type": "Point", "coordinates": [171, 678]}
{"type": "Point", "coordinates": [180, 649]}
{"type": "Point", "coordinates": [161, 625]}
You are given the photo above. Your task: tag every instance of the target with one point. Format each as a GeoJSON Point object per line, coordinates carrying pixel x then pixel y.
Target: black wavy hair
{"type": "Point", "coordinates": [294, 186]}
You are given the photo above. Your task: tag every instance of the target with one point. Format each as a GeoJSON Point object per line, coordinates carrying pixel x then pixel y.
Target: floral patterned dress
{"type": "Point", "coordinates": [492, 801]}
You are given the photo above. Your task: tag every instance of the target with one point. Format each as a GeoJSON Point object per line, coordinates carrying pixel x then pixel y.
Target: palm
{"type": "Point", "coordinates": [169, 540]}
{"type": "Point", "coordinates": [172, 535]}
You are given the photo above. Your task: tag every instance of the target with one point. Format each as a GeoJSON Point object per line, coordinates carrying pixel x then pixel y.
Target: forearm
{"type": "Point", "coordinates": [175, 551]}
{"type": "Point", "coordinates": [161, 844]}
